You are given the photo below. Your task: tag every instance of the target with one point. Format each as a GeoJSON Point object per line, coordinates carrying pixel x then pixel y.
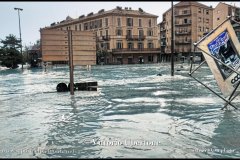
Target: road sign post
{"type": "Point", "coordinates": [75, 47]}
{"type": "Point", "coordinates": [71, 67]}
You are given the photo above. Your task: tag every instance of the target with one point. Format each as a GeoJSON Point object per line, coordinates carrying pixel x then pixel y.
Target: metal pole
{"type": "Point", "coordinates": [20, 31]}
{"type": "Point", "coordinates": [172, 45]}
{"type": "Point", "coordinates": [71, 62]}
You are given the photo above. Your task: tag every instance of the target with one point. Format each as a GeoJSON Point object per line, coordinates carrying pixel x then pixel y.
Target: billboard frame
{"type": "Point", "coordinates": [213, 62]}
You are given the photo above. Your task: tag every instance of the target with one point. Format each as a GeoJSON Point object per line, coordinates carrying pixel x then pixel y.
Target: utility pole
{"type": "Point", "coordinates": [172, 44]}
{"type": "Point", "coordinates": [20, 9]}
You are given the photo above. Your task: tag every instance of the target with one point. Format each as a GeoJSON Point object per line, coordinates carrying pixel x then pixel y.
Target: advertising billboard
{"type": "Point", "coordinates": [222, 44]}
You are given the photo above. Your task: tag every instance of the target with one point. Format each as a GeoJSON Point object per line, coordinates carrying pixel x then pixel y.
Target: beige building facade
{"type": "Point", "coordinates": [222, 11]}
{"type": "Point", "coordinates": [192, 20]}
{"type": "Point", "coordinates": [123, 35]}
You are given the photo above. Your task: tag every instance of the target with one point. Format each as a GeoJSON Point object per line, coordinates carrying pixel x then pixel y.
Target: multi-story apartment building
{"type": "Point", "coordinates": [192, 20]}
{"type": "Point", "coordinates": [124, 36]}
{"type": "Point", "coordinates": [222, 11]}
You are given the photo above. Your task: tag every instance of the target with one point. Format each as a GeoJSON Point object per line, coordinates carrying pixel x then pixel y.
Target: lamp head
{"type": "Point", "coordinates": [18, 9]}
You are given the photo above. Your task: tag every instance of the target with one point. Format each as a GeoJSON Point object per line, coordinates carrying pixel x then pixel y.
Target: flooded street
{"type": "Point", "coordinates": [134, 114]}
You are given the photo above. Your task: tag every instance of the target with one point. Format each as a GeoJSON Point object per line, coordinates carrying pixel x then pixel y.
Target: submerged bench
{"type": "Point", "coordinates": [83, 86]}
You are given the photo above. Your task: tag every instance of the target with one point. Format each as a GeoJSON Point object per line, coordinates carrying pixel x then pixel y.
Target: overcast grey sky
{"type": "Point", "coordinates": [36, 15]}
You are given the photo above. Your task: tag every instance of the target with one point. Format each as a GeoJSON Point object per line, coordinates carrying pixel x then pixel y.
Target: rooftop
{"type": "Point", "coordinates": [127, 11]}
{"type": "Point", "coordinates": [189, 3]}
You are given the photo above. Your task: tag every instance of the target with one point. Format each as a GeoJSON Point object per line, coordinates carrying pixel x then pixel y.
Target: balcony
{"type": "Point", "coordinates": [106, 38]}
{"type": "Point", "coordinates": [183, 41]}
{"type": "Point", "coordinates": [103, 38]}
{"type": "Point", "coordinates": [183, 32]}
{"type": "Point", "coordinates": [163, 37]}
{"type": "Point", "coordinates": [163, 44]}
{"type": "Point", "coordinates": [135, 37]}
{"type": "Point", "coordinates": [182, 24]}
{"type": "Point", "coordinates": [163, 29]}
{"type": "Point", "coordinates": [184, 13]}
{"type": "Point", "coordinates": [135, 50]}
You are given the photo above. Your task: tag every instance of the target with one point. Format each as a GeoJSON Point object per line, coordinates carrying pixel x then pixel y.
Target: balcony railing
{"type": "Point", "coordinates": [103, 38]}
{"type": "Point", "coordinates": [135, 37]}
{"type": "Point", "coordinates": [181, 24]}
{"type": "Point", "coordinates": [183, 41]}
{"type": "Point", "coordinates": [163, 37]}
{"type": "Point", "coordinates": [135, 49]}
{"type": "Point", "coordinates": [188, 12]}
{"type": "Point", "coordinates": [183, 32]}
{"type": "Point", "coordinates": [163, 44]}
{"type": "Point", "coordinates": [163, 29]}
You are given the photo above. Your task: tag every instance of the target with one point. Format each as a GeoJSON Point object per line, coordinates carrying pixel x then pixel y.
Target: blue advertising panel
{"type": "Point", "coordinates": [222, 48]}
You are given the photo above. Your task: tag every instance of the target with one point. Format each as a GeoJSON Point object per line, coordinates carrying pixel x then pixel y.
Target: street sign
{"type": "Point", "coordinates": [221, 49]}
{"type": "Point", "coordinates": [56, 46]}
{"type": "Point", "coordinates": [77, 47]}
{"type": "Point", "coordinates": [84, 48]}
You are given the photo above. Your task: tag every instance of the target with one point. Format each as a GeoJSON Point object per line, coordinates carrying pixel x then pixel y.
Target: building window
{"type": "Point", "coordinates": [140, 22]}
{"type": "Point", "coordinates": [150, 33]}
{"type": "Point", "coordinates": [85, 26]}
{"type": "Point", "coordinates": [106, 32]}
{"type": "Point", "coordinates": [199, 10]}
{"type": "Point", "coordinates": [119, 32]}
{"type": "Point", "coordinates": [119, 22]}
{"type": "Point", "coordinates": [140, 45]}
{"type": "Point", "coordinates": [141, 33]}
{"type": "Point", "coordinates": [150, 45]}
{"type": "Point", "coordinates": [119, 45]}
{"type": "Point", "coordinates": [102, 45]}
{"type": "Point", "coordinates": [91, 24]}
{"type": "Point", "coordinates": [100, 33]}
{"type": "Point", "coordinates": [199, 19]}
{"type": "Point", "coordinates": [106, 46]}
{"type": "Point", "coordinates": [207, 20]}
{"type": "Point", "coordinates": [150, 23]}
{"type": "Point", "coordinates": [96, 25]}
{"type": "Point", "coordinates": [185, 21]}
{"type": "Point", "coordinates": [129, 22]}
{"type": "Point", "coordinates": [199, 28]}
{"type": "Point", "coordinates": [106, 22]}
{"type": "Point", "coordinates": [129, 32]}
{"type": "Point", "coordinates": [150, 58]}
{"type": "Point", "coordinates": [80, 28]}
{"type": "Point", "coordinates": [218, 19]}
{"type": "Point", "coordinates": [100, 23]}
{"type": "Point", "coordinates": [130, 45]}
{"type": "Point", "coordinates": [75, 27]}
{"type": "Point", "coordinates": [207, 29]}
{"type": "Point", "coordinates": [207, 12]}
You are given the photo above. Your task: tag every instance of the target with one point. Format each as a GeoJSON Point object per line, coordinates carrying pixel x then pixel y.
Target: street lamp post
{"type": "Point", "coordinates": [172, 43]}
{"type": "Point", "coordinates": [20, 9]}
